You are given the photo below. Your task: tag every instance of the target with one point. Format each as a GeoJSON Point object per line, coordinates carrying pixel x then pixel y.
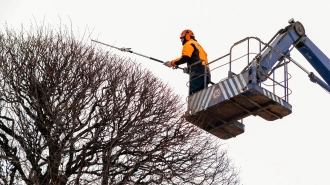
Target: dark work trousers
{"type": "Point", "coordinates": [197, 83]}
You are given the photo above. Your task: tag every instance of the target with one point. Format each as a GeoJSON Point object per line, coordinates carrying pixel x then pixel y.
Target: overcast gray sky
{"type": "Point", "coordinates": [293, 150]}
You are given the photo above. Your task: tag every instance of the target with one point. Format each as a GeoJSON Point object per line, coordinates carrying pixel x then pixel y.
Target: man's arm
{"type": "Point", "coordinates": [181, 60]}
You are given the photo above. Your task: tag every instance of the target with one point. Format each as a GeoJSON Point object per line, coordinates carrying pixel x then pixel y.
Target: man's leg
{"type": "Point", "coordinates": [197, 84]}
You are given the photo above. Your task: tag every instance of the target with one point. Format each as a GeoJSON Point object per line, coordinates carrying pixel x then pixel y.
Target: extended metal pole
{"type": "Point", "coordinates": [130, 51]}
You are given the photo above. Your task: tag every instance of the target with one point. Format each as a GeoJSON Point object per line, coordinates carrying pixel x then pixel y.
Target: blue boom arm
{"type": "Point", "coordinates": [294, 35]}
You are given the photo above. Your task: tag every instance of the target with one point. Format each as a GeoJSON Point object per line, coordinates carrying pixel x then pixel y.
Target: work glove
{"type": "Point", "coordinates": [168, 64]}
{"type": "Point", "coordinates": [185, 70]}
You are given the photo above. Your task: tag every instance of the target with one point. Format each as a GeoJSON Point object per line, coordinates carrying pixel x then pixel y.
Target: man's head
{"type": "Point", "coordinates": [186, 35]}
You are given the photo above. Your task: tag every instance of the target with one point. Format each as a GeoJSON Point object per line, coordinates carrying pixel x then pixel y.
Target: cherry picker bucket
{"type": "Point", "coordinates": [220, 108]}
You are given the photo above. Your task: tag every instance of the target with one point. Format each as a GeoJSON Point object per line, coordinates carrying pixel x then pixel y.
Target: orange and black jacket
{"type": "Point", "coordinates": [192, 52]}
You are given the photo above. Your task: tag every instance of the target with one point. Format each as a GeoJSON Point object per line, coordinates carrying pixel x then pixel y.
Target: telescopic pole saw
{"type": "Point", "coordinates": [130, 51]}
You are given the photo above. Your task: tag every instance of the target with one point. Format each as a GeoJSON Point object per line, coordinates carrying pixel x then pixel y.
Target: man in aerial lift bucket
{"type": "Point", "coordinates": [196, 58]}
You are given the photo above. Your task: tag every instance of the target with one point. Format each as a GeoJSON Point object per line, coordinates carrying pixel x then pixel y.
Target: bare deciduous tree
{"type": "Point", "coordinates": [72, 113]}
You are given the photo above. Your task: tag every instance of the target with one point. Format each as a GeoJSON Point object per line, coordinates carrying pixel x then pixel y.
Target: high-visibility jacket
{"type": "Point", "coordinates": [193, 53]}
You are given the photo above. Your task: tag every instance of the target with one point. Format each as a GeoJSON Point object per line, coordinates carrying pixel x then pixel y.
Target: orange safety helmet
{"type": "Point", "coordinates": [187, 34]}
